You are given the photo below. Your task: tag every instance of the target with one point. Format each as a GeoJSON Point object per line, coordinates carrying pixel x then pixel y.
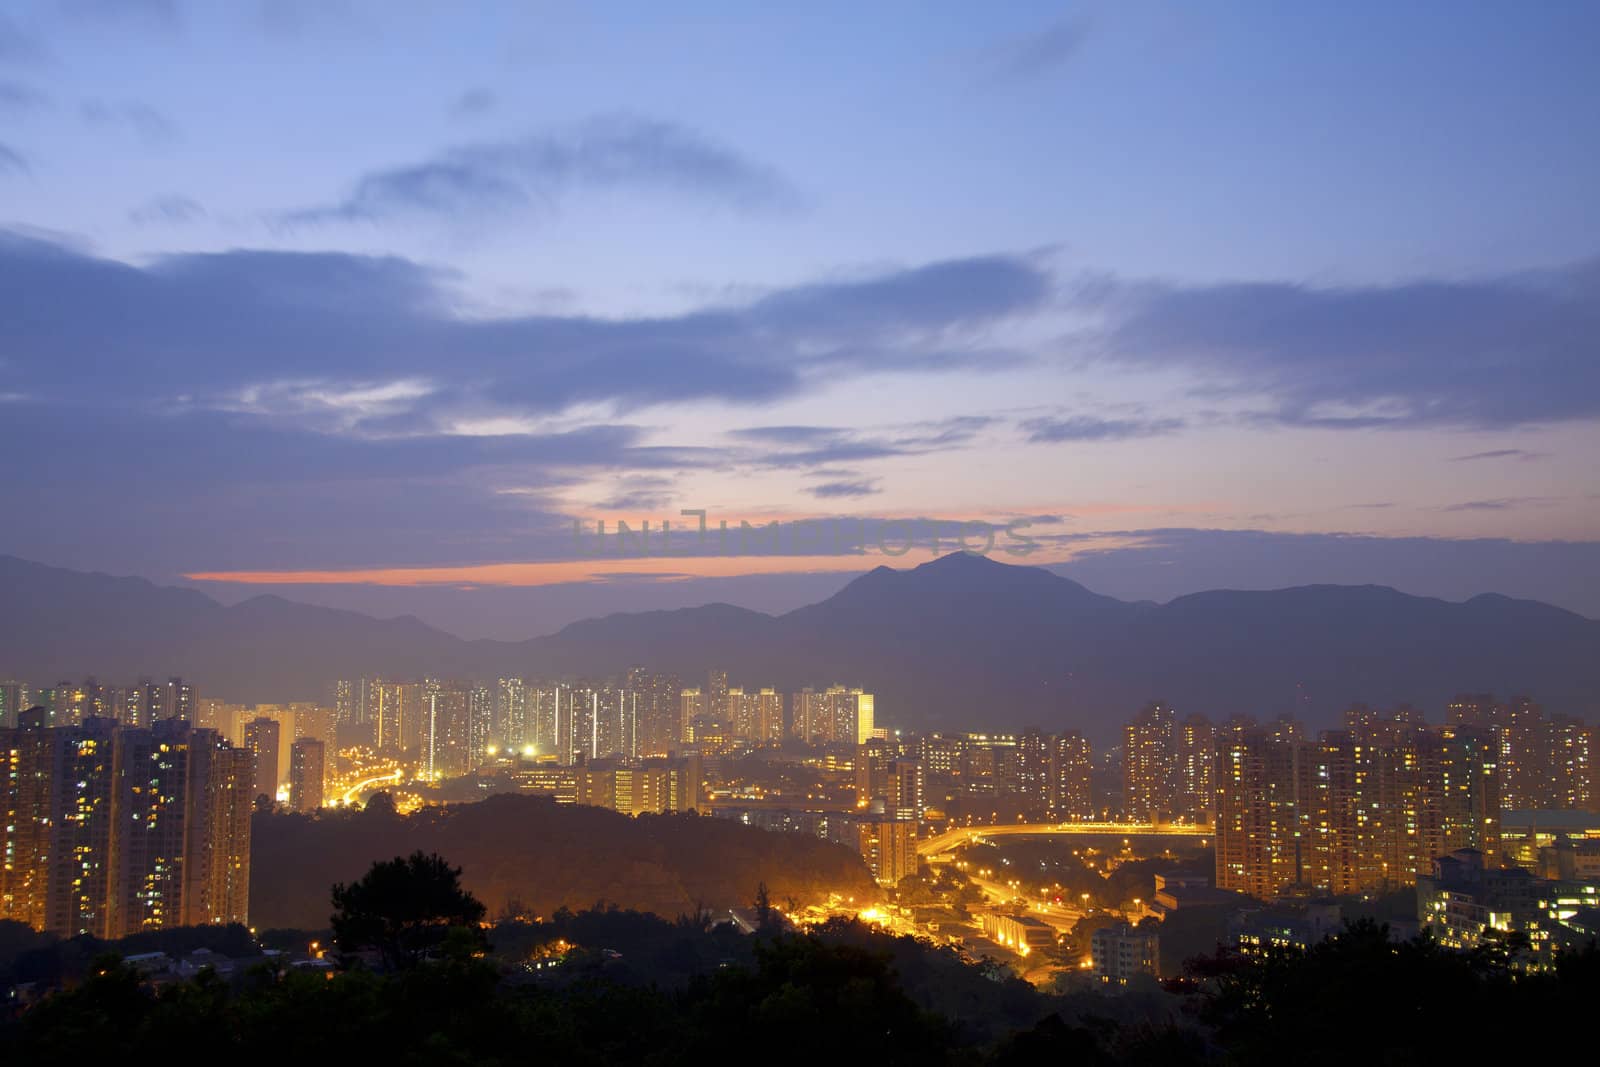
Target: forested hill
{"type": "Point", "coordinates": [530, 851]}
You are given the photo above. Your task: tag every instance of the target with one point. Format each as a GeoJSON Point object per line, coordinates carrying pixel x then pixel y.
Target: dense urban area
{"type": "Point", "coordinates": [131, 809]}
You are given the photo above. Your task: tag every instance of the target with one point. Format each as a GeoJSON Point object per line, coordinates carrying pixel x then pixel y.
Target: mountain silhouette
{"type": "Point", "coordinates": [963, 642]}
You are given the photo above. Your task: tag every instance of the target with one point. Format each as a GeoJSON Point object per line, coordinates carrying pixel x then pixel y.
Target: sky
{"type": "Point", "coordinates": [388, 305]}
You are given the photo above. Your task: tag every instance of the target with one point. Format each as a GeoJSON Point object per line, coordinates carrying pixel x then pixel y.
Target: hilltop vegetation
{"type": "Point", "coordinates": [530, 855]}
{"type": "Point", "coordinates": [645, 991]}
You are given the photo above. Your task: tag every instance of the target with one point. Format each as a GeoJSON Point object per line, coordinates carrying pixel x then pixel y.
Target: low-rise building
{"type": "Point", "coordinates": [1122, 952]}
{"type": "Point", "coordinates": [1467, 904]}
{"type": "Point", "coordinates": [1022, 934]}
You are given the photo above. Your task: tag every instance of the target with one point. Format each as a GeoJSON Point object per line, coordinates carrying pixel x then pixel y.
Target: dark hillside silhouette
{"type": "Point", "coordinates": [543, 856]}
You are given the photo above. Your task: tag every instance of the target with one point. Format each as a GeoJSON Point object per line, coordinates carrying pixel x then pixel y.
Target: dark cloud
{"type": "Point", "coordinates": [840, 450]}
{"type": "Point", "coordinates": [1092, 428]}
{"type": "Point", "coordinates": [1501, 453]}
{"type": "Point", "coordinates": [944, 433]}
{"type": "Point", "coordinates": [171, 210]}
{"type": "Point", "coordinates": [16, 97]}
{"type": "Point", "coordinates": [290, 333]}
{"type": "Point", "coordinates": [1491, 353]}
{"type": "Point", "coordinates": [490, 178]}
{"type": "Point", "coordinates": [641, 492]}
{"type": "Point", "coordinates": [313, 399]}
{"type": "Point", "coordinates": [833, 490]}
{"type": "Point", "coordinates": [150, 125]}
{"type": "Point", "coordinates": [930, 299]}
{"type": "Point", "coordinates": [472, 103]}
{"type": "Point", "coordinates": [1502, 504]}
{"type": "Point", "coordinates": [288, 496]}
{"type": "Point", "coordinates": [12, 161]}
{"type": "Point", "coordinates": [1031, 55]}
{"type": "Point", "coordinates": [787, 435]}
{"type": "Point", "coordinates": [817, 446]}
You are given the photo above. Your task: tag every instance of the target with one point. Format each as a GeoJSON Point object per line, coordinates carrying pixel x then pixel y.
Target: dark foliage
{"type": "Point", "coordinates": [27, 956]}
{"type": "Point", "coordinates": [843, 994]}
{"type": "Point", "coordinates": [405, 908]}
{"type": "Point", "coordinates": [1361, 997]}
{"type": "Point", "coordinates": [544, 856]}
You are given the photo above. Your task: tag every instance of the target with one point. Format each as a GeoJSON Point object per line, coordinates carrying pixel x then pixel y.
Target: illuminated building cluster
{"type": "Point", "coordinates": [1049, 776]}
{"type": "Point", "coordinates": [1169, 767]}
{"type": "Point", "coordinates": [1545, 763]}
{"type": "Point", "coordinates": [110, 830]}
{"type": "Point", "coordinates": [651, 786]}
{"type": "Point", "coordinates": [141, 704]}
{"type": "Point", "coordinates": [453, 728]}
{"type": "Point", "coordinates": [1361, 808]}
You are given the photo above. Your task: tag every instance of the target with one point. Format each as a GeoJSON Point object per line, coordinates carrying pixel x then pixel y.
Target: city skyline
{"type": "Point", "coordinates": [910, 533]}
{"type": "Point", "coordinates": [1195, 302]}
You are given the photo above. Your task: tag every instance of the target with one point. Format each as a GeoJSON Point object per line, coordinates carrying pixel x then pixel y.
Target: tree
{"type": "Point", "coordinates": [763, 907]}
{"type": "Point", "coordinates": [404, 908]}
{"type": "Point", "coordinates": [380, 803]}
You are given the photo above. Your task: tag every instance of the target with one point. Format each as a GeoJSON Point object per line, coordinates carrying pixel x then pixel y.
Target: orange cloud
{"type": "Point", "coordinates": [674, 568]}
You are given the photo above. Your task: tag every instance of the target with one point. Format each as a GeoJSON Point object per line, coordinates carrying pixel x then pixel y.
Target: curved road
{"type": "Point", "coordinates": [965, 835]}
{"type": "Point", "coordinates": [368, 783]}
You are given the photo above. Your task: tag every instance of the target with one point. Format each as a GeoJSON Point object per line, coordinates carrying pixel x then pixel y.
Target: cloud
{"type": "Point", "coordinates": [931, 298]}
{"type": "Point", "coordinates": [1492, 353]}
{"type": "Point", "coordinates": [1031, 55]}
{"type": "Point", "coordinates": [955, 431]}
{"type": "Point", "coordinates": [282, 385]}
{"type": "Point", "coordinates": [1501, 453]}
{"type": "Point", "coordinates": [1502, 504]}
{"type": "Point", "coordinates": [289, 493]}
{"type": "Point", "coordinates": [150, 125]}
{"type": "Point", "coordinates": [640, 492]}
{"type": "Point", "coordinates": [12, 161]}
{"type": "Point", "coordinates": [787, 435]}
{"type": "Point", "coordinates": [495, 177]}
{"type": "Point", "coordinates": [1091, 428]}
{"type": "Point", "coordinates": [818, 446]}
{"type": "Point", "coordinates": [473, 102]}
{"type": "Point", "coordinates": [197, 330]}
{"type": "Point", "coordinates": [833, 490]}
{"type": "Point", "coordinates": [171, 210]}
{"type": "Point", "coordinates": [18, 97]}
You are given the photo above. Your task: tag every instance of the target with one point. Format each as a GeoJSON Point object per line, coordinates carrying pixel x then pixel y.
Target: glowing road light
{"type": "Point", "coordinates": [351, 793]}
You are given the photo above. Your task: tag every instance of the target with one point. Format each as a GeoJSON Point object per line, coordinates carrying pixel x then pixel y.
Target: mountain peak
{"type": "Point", "coordinates": [960, 561]}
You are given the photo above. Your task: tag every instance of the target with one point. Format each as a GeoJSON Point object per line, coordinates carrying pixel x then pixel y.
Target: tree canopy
{"type": "Point", "coordinates": [404, 908]}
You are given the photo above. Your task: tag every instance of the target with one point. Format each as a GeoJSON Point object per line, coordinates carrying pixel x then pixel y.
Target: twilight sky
{"type": "Point", "coordinates": [365, 303]}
